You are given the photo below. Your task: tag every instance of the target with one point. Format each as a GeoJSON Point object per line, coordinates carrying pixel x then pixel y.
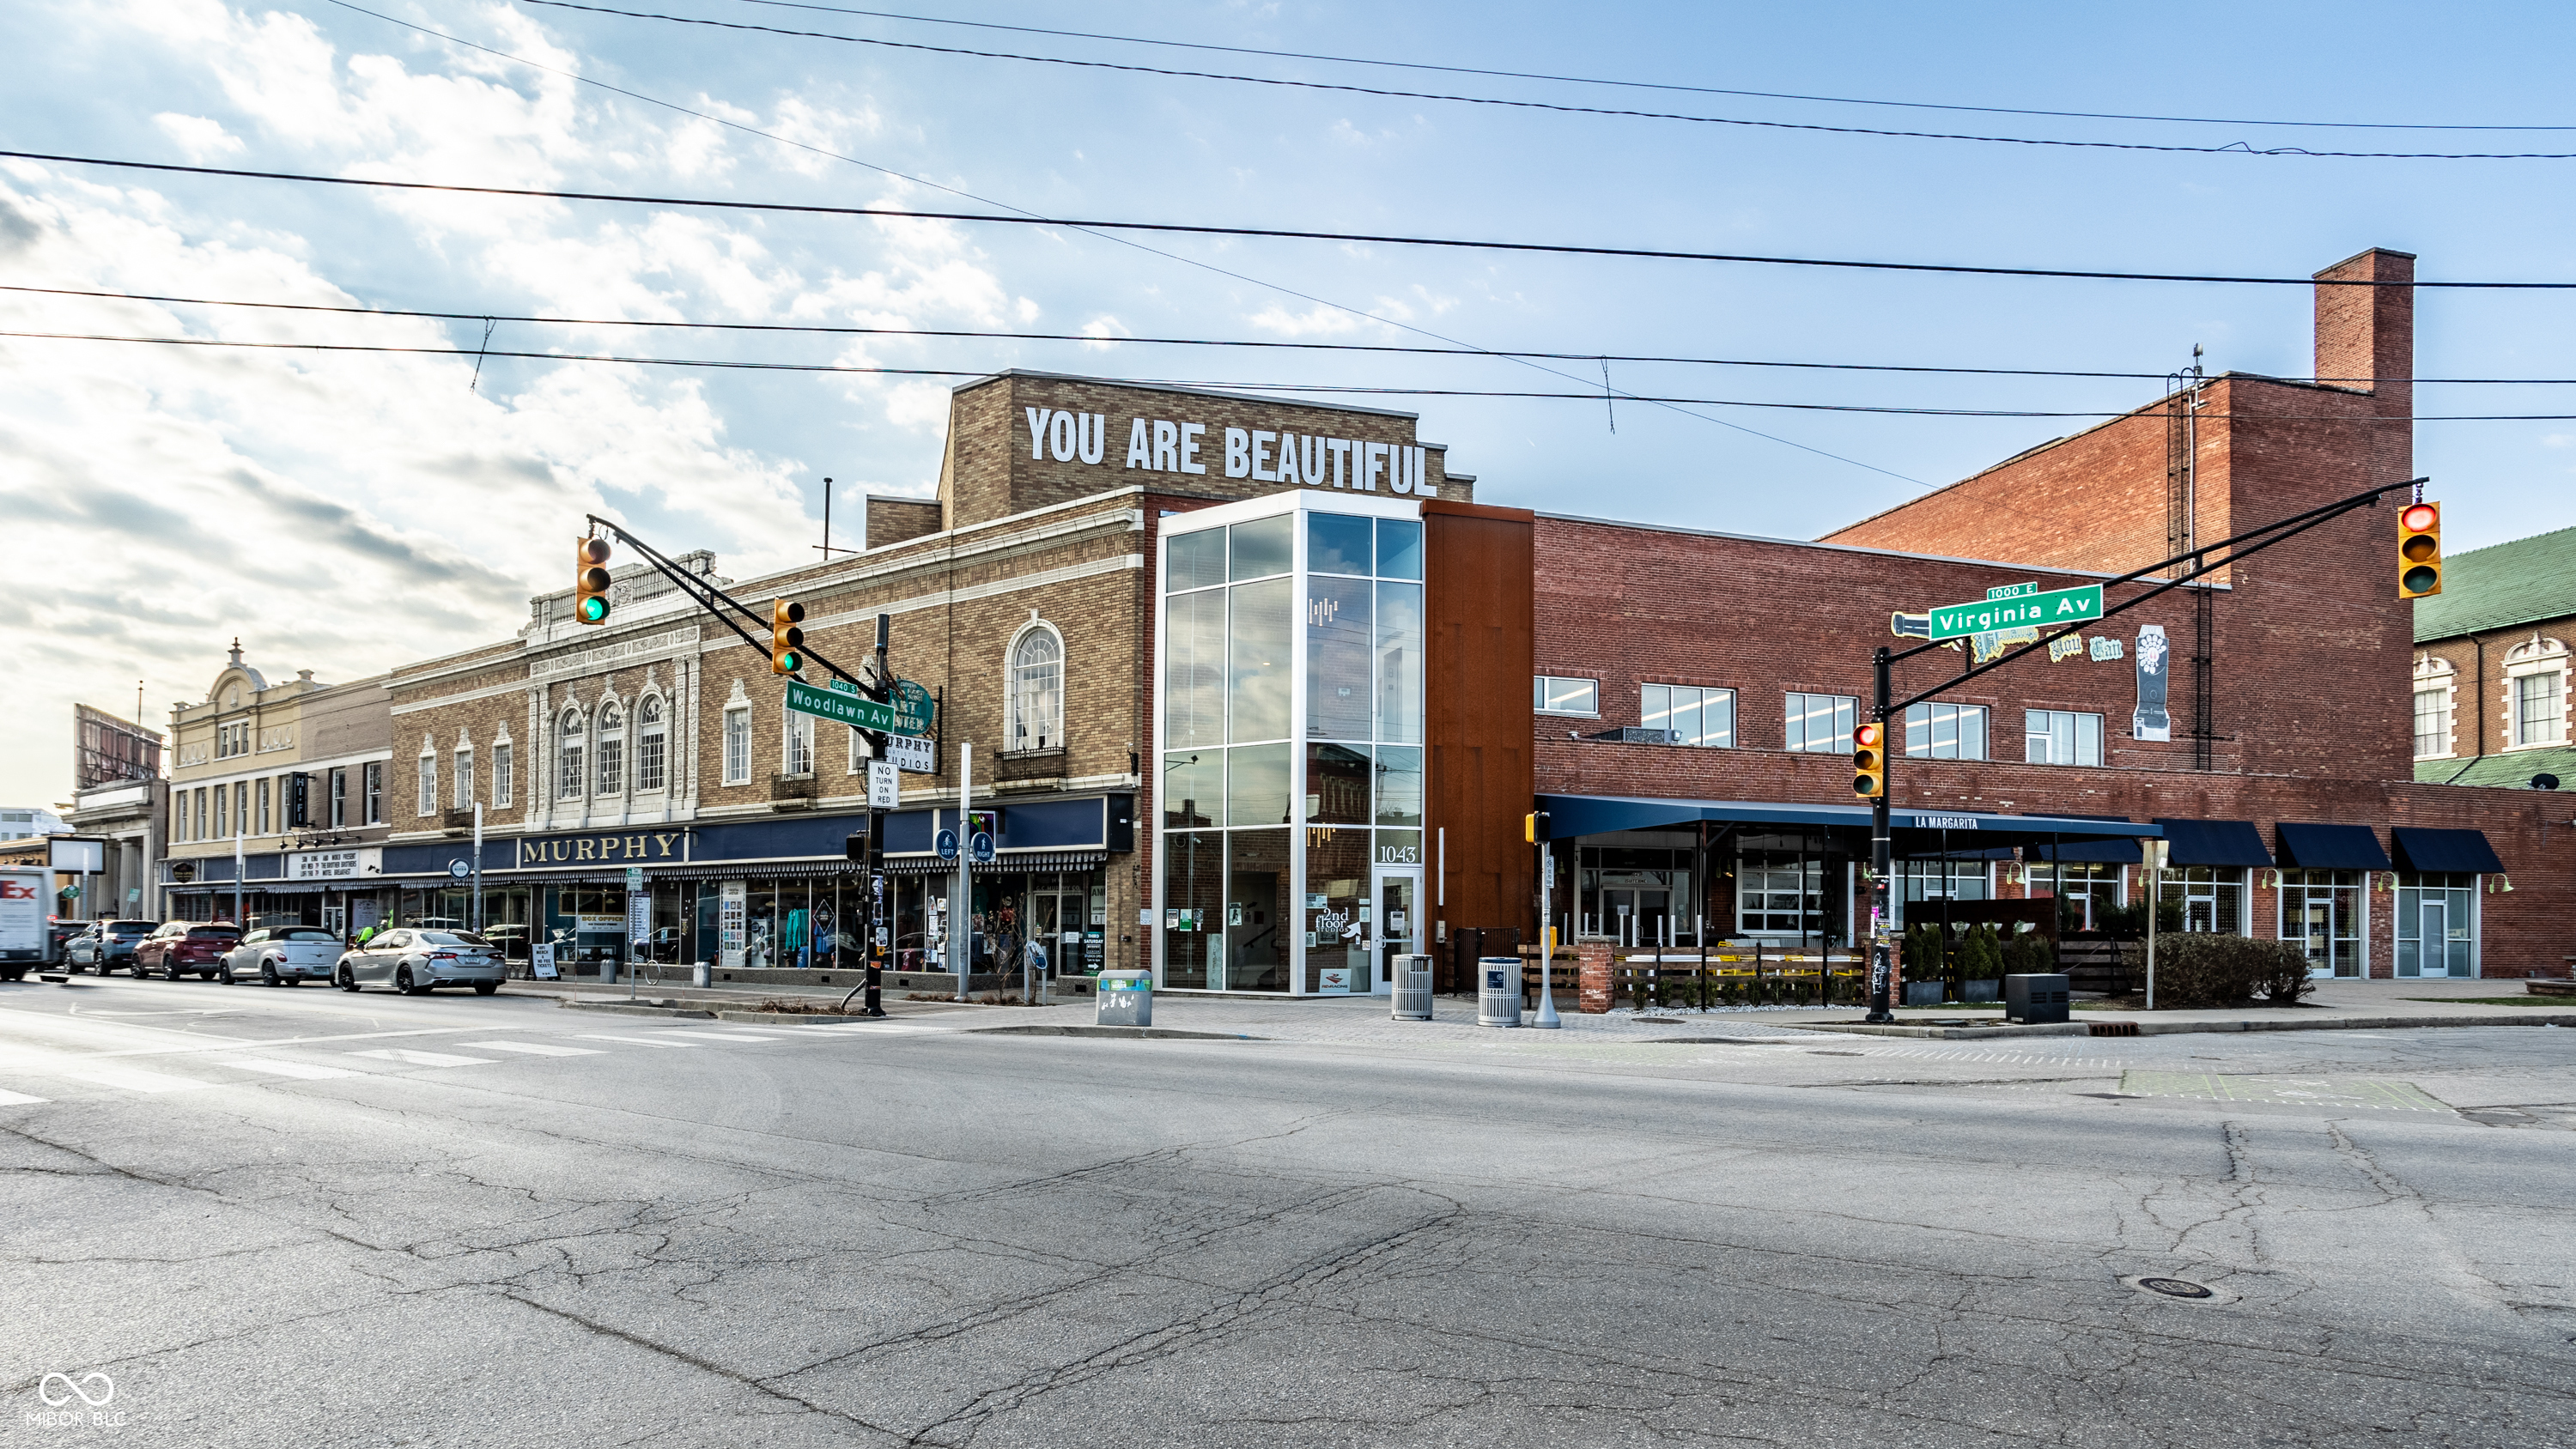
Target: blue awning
{"type": "Point", "coordinates": [2330, 847]}
{"type": "Point", "coordinates": [2214, 842]}
{"type": "Point", "coordinates": [2103, 852]}
{"type": "Point", "coordinates": [2463, 852]}
{"type": "Point", "coordinates": [1571, 815]}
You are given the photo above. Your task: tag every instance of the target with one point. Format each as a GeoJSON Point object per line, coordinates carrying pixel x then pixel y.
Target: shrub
{"type": "Point", "coordinates": [1923, 953]}
{"type": "Point", "coordinates": [2285, 976]}
{"type": "Point", "coordinates": [1981, 955]}
{"type": "Point", "coordinates": [2200, 971]}
{"type": "Point", "coordinates": [2028, 954]}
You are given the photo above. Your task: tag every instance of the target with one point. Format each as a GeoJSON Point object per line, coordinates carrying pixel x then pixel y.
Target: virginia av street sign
{"type": "Point", "coordinates": [2024, 611]}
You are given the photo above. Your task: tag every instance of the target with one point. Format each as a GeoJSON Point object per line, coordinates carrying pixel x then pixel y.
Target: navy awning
{"type": "Point", "coordinates": [2214, 842]}
{"type": "Point", "coordinates": [2330, 847]}
{"type": "Point", "coordinates": [2464, 852]}
{"type": "Point", "coordinates": [1572, 815]}
{"type": "Point", "coordinates": [2104, 852]}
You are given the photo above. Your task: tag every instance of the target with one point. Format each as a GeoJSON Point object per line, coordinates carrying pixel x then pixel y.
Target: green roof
{"type": "Point", "coordinates": [2502, 585]}
{"type": "Point", "coordinates": [2511, 771]}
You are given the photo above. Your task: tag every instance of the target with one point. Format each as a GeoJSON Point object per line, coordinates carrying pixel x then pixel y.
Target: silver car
{"type": "Point", "coordinates": [414, 961]}
{"type": "Point", "coordinates": [281, 956]}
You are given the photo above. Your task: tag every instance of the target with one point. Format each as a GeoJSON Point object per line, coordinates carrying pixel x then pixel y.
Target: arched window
{"type": "Point", "coordinates": [651, 737]}
{"type": "Point", "coordinates": [568, 757]}
{"type": "Point", "coordinates": [1036, 692]}
{"type": "Point", "coordinates": [612, 750]}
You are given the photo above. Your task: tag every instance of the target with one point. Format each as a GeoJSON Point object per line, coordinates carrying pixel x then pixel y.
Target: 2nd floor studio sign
{"type": "Point", "coordinates": [1164, 445]}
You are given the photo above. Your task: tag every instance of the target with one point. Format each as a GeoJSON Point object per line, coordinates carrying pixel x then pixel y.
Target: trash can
{"type": "Point", "coordinates": [1498, 991]}
{"type": "Point", "coordinates": [1412, 988]}
{"type": "Point", "coordinates": [698, 974]}
{"type": "Point", "coordinates": [2035, 998]}
{"type": "Point", "coordinates": [1126, 999]}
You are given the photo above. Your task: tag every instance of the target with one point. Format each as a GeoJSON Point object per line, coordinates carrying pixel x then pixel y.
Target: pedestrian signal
{"type": "Point", "coordinates": [590, 581]}
{"type": "Point", "coordinates": [2419, 550]}
{"type": "Point", "coordinates": [786, 641]}
{"type": "Point", "coordinates": [1869, 760]}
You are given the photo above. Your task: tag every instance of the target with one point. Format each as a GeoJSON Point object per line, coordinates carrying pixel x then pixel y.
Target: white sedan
{"type": "Point", "coordinates": [281, 956]}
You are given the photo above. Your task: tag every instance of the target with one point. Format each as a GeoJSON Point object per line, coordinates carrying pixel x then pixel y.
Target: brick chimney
{"type": "Point", "coordinates": [2366, 341]}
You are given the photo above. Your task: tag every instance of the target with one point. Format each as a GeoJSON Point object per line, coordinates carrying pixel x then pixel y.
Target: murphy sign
{"type": "Point", "coordinates": [2019, 611]}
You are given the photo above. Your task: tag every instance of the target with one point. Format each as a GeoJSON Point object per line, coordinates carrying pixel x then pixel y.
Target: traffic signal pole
{"type": "Point", "coordinates": [1882, 856]}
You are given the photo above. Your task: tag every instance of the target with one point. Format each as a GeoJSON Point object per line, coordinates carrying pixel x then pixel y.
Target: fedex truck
{"type": "Point", "coordinates": [25, 893]}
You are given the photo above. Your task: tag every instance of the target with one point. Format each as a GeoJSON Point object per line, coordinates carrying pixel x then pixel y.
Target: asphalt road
{"type": "Point", "coordinates": [272, 1217]}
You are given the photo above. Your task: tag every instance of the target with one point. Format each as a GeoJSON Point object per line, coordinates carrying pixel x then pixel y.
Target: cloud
{"type": "Point", "coordinates": [1105, 331]}
{"type": "Point", "coordinates": [1316, 321]}
{"type": "Point", "coordinates": [202, 139]}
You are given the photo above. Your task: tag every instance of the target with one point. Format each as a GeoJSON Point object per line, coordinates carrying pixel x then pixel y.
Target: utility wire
{"type": "Point", "coordinates": [747, 365]}
{"type": "Point", "coordinates": [1191, 229]}
{"type": "Point", "coordinates": [1267, 344]}
{"type": "Point", "coordinates": [1642, 85]}
{"type": "Point", "coordinates": [2233, 147]}
{"type": "Point", "coordinates": [1109, 237]}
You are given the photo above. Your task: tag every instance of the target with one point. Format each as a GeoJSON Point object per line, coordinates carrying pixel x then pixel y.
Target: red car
{"type": "Point", "coordinates": [179, 947]}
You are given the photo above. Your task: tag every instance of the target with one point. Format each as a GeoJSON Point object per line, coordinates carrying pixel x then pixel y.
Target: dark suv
{"type": "Point", "coordinates": [179, 947]}
{"type": "Point", "coordinates": [107, 945]}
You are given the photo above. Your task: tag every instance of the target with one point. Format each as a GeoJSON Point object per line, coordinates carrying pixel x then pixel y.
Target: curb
{"type": "Point", "coordinates": [620, 1008]}
{"type": "Point", "coordinates": [2175, 1028]}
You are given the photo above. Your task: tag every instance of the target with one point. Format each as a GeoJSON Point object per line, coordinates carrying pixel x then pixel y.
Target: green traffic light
{"type": "Point", "coordinates": [789, 661]}
{"type": "Point", "coordinates": [593, 609]}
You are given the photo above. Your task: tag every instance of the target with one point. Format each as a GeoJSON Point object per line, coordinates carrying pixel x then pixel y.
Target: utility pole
{"type": "Point", "coordinates": [1882, 857]}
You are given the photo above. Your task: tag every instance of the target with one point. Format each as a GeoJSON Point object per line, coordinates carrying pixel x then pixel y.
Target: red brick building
{"type": "Point", "coordinates": [1692, 751]}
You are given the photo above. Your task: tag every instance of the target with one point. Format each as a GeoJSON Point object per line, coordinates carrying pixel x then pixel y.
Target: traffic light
{"type": "Point", "coordinates": [590, 581]}
{"type": "Point", "coordinates": [786, 641]}
{"type": "Point", "coordinates": [1869, 760]}
{"type": "Point", "coordinates": [2419, 550]}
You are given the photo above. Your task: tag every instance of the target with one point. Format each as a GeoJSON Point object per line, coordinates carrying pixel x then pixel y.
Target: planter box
{"type": "Point", "coordinates": [1981, 991]}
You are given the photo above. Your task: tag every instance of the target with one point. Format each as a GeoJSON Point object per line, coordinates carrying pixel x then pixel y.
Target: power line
{"type": "Point", "coordinates": [1267, 344]}
{"type": "Point", "coordinates": [1280, 233]}
{"type": "Point", "coordinates": [1646, 85]}
{"type": "Point", "coordinates": [2233, 147]}
{"type": "Point", "coordinates": [1335, 389]}
{"type": "Point", "coordinates": [1124, 241]}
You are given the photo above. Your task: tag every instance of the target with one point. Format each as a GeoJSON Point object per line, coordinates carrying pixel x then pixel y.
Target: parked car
{"type": "Point", "coordinates": [177, 947]}
{"type": "Point", "coordinates": [107, 945]}
{"type": "Point", "coordinates": [281, 956]}
{"type": "Point", "coordinates": [413, 961]}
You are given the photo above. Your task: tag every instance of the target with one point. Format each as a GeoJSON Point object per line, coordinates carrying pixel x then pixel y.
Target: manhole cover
{"type": "Point", "coordinates": [2175, 1288]}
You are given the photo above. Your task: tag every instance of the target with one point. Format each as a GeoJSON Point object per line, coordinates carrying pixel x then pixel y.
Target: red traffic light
{"type": "Point", "coordinates": [2419, 550]}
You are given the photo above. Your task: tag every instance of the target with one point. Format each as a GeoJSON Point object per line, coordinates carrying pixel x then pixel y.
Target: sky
{"type": "Point", "coordinates": [346, 512]}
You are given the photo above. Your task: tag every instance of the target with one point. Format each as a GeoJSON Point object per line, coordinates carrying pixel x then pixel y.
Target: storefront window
{"type": "Point", "coordinates": [2084, 890]}
{"type": "Point", "coordinates": [2321, 909]}
{"type": "Point", "coordinates": [1337, 784]}
{"type": "Point", "coordinates": [1922, 885]}
{"type": "Point", "coordinates": [1193, 866]}
{"type": "Point", "coordinates": [2212, 897]}
{"type": "Point", "coordinates": [1258, 649]}
{"type": "Point", "coordinates": [2437, 924]}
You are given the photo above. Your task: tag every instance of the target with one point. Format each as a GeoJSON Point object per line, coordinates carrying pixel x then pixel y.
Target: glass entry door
{"type": "Point", "coordinates": [1399, 933]}
{"type": "Point", "coordinates": [2433, 930]}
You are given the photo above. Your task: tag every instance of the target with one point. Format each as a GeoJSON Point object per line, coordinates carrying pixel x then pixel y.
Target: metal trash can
{"type": "Point", "coordinates": [1126, 999]}
{"type": "Point", "coordinates": [1412, 988]}
{"type": "Point", "coordinates": [1498, 991]}
{"type": "Point", "coordinates": [2036, 998]}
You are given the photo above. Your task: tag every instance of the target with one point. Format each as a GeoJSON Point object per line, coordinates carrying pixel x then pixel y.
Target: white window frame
{"type": "Point", "coordinates": [1702, 695]}
{"type": "Point", "coordinates": [2435, 675]}
{"type": "Point", "coordinates": [505, 772]}
{"type": "Point", "coordinates": [795, 744]}
{"type": "Point", "coordinates": [1545, 687]}
{"type": "Point", "coordinates": [464, 767]}
{"type": "Point", "coordinates": [2536, 658]}
{"type": "Point", "coordinates": [371, 790]}
{"type": "Point", "coordinates": [1033, 688]}
{"type": "Point", "coordinates": [428, 777]}
{"type": "Point", "coordinates": [1935, 712]}
{"type": "Point", "coordinates": [2033, 732]}
{"type": "Point", "coordinates": [572, 756]}
{"type": "Point", "coordinates": [608, 751]}
{"type": "Point", "coordinates": [1845, 709]}
{"type": "Point", "coordinates": [652, 745]}
{"type": "Point", "coordinates": [737, 744]}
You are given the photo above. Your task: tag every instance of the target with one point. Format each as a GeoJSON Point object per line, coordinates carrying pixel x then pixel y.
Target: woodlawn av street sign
{"type": "Point", "coordinates": [856, 711]}
{"type": "Point", "coordinates": [2019, 611]}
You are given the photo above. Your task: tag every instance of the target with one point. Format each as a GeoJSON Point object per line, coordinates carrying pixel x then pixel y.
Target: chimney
{"type": "Point", "coordinates": [2366, 342]}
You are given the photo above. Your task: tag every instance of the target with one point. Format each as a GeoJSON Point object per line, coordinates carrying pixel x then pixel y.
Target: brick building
{"type": "Point", "coordinates": [2491, 664]}
{"type": "Point", "coordinates": [2249, 717]}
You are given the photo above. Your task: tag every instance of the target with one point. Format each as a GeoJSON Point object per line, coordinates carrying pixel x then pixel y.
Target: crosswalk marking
{"type": "Point", "coordinates": [17, 1099]}
{"type": "Point", "coordinates": [532, 1048]}
{"type": "Point", "coordinates": [301, 1071]}
{"type": "Point", "coordinates": [639, 1040]}
{"type": "Point", "coordinates": [423, 1059]}
{"type": "Point", "coordinates": [132, 1080]}
{"type": "Point", "coordinates": [737, 1036]}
